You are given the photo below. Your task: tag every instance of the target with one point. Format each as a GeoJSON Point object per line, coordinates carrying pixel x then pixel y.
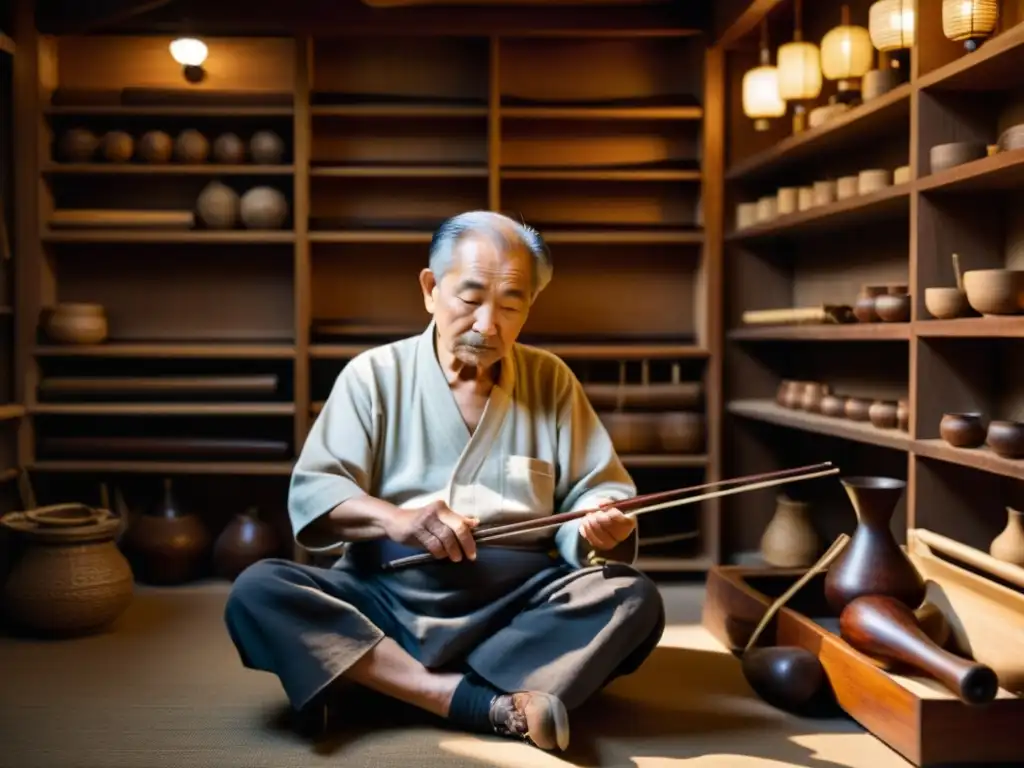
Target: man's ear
{"type": "Point", "coordinates": [428, 284]}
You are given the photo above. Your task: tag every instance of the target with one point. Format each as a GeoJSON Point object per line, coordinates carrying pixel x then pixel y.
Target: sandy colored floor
{"type": "Point", "coordinates": [166, 689]}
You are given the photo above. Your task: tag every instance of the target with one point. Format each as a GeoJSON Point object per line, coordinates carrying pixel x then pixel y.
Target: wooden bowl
{"type": "Point", "coordinates": [1006, 439]}
{"type": "Point", "coordinates": [945, 156]}
{"type": "Point", "coordinates": [1011, 138]}
{"type": "Point", "coordinates": [882, 414]}
{"type": "Point", "coordinates": [962, 430]}
{"type": "Point", "coordinates": [639, 433]}
{"type": "Point", "coordinates": [945, 303]}
{"type": "Point", "coordinates": [995, 291]}
{"type": "Point", "coordinates": [893, 308]}
{"type": "Point", "coordinates": [76, 323]}
{"type": "Point", "coordinates": [857, 409]}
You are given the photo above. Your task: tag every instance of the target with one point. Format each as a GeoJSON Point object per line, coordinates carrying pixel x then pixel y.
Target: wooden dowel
{"type": "Point", "coordinates": [952, 548]}
{"type": "Point", "coordinates": [638, 501]}
{"type": "Point", "coordinates": [550, 522]}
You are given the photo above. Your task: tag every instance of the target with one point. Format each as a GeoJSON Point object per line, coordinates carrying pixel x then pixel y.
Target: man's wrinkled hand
{"type": "Point", "coordinates": [437, 529]}
{"type": "Point", "coordinates": [605, 529]}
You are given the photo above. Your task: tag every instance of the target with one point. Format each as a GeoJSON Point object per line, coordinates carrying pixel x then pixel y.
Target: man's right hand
{"type": "Point", "coordinates": [442, 532]}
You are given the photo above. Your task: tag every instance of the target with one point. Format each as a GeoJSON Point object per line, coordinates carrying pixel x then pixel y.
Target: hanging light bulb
{"type": "Point", "coordinates": [969, 20]}
{"type": "Point", "coordinates": [799, 64]}
{"type": "Point", "coordinates": [846, 55]}
{"type": "Point", "coordinates": [191, 53]}
{"type": "Point", "coordinates": [761, 99]}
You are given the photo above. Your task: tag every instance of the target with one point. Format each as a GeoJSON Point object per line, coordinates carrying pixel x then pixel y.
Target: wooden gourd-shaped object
{"type": "Point", "coordinates": [166, 545]}
{"type": "Point", "coordinates": [1008, 546]}
{"type": "Point", "coordinates": [873, 563]}
{"type": "Point", "coordinates": [790, 540]}
{"type": "Point", "coordinates": [245, 540]}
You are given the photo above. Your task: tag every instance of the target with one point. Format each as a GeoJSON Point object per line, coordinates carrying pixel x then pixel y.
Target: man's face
{"type": "Point", "coordinates": [483, 301]}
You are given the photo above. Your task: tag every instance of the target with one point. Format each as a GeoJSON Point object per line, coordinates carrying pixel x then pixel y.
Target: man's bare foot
{"type": "Point", "coordinates": [538, 718]}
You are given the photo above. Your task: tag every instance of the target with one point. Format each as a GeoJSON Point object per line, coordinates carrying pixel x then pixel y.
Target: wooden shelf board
{"type": "Point", "coordinates": [886, 202]}
{"type": "Point", "coordinates": [564, 174]}
{"type": "Point", "coordinates": [674, 564]}
{"type": "Point", "coordinates": [745, 22]}
{"type": "Point", "coordinates": [1001, 171]}
{"type": "Point", "coordinates": [169, 350]}
{"type": "Point", "coordinates": [166, 169]}
{"type": "Point", "coordinates": [837, 332]}
{"type": "Point", "coordinates": [11, 411]}
{"type": "Point", "coordinates": [600, 34]}
{"type": "Point", "coordinates": [638, 236]}
{"type": "Point", "coordinates": [7, 475]}
{"type": "Point", "coordinates": [602, 113]}
{"type": "Point", "coordinates": [7, 45]}
{"type": "Point", "coordinates": [997, 65]}
{"type": "Point", "coordinates": [663, 460]}
{"type": "Point", "coordinates": [853, 126]}
{"type": "Point", "coordinates": [399, 172]}
{"type": "Point", "coordinates": [976, 458]}
{"type": "Point", "coordinates": [241, 237]}
{"type": "Point", "coordinates": [574, 351]}
{"type": "Point", "coordinates": [164, 409]}
{"type": "Point", "coordinates": [141, 110]}
{"type": "Point", "coordinates": [396, 110]}
{"type": "Point", "coordinates": [1007, 326]}
{"type": "Point", "coordinates": [862, 432]}
{"type": "Point", "coordinates": [381, 236]}
{"type": "Point", "coordinates": [167, 467]}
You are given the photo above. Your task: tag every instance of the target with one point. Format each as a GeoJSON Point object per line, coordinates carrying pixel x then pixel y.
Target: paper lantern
{"type": "Point", "coordinates": [799, 65]}
{"type": "Point", "coordinates": [969, 20]}
{"type": "Point", "coordinates": [761, 98]}
{"type": "Point", "coordinates": [891, 24]}
{"type": "Point", "coordinates": [846, 52]}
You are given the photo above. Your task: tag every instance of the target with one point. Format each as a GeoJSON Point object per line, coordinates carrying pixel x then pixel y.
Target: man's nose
{"type": "Point", "coordinates": [484, 321]}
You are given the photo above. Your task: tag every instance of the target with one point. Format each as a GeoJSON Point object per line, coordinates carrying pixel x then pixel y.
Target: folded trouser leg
{"type": "Point", "coordinates": [304, 624]}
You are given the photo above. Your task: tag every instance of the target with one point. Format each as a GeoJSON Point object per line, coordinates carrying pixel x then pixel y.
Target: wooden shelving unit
{"type": "Point", "coordinates": [902, 235]}
{"type": "Point", "coordinates": [620, 171]}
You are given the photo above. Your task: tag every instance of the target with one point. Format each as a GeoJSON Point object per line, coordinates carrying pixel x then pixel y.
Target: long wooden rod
{"type": "Point", "coordinates": [548, 522]}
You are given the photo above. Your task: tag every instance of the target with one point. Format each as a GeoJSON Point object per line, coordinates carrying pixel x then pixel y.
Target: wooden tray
{"type": "Point", "coordinates": [914, 716]}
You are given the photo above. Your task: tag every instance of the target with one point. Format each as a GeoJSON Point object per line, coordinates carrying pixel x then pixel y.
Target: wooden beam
{"type": "Point", "coordinates": [71, 17]}
{"type": "Point", "coordinates": [745, 23]}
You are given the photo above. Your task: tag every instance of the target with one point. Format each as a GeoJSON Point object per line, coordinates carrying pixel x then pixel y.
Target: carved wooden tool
{"type": "Point", "coordinates": [885, 628]}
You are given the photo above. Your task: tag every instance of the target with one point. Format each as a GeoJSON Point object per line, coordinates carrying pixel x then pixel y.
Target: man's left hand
{"type": "Point", "coordinates": [604, 529]}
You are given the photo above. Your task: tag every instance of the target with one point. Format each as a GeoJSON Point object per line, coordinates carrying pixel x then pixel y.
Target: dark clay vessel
{"type": "Point", "coordinates": [832, 405]}
{"type": "Point", "coordinates": [873, 563]}
{"type": "Point", "coordinates": [962, 430]}
{"type": "Point", "coordinates": [1006, 439]}
{"type": "Point", "coordinates": [789, 678]}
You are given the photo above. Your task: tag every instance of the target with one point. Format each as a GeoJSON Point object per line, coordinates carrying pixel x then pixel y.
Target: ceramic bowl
{"type": "Point", "coordinates": [901, 175]}
{"type": "Point", "coordinates": [872, 180]}
{"type": "Point", "coordinates": [847, 186]}
{"type": "Point", "coordinates": [945, 156]}
{"type": "Point", "coordinates": [833, 405]}
{"type": "Point", "coordinates": [995, 291]}
{"type": "Point", "coordinates": [903, 415]}
{"type": "Point", "coordinates": [882, 414]}
{"type": "Point", "coordinates": [1006, 439]}
{"type": "Point", "coordinates": [963, 430]}
{"type": "Point", "coordinates": [945, 303]}
{"type": "Point", "coordinates": [878, 82]}
{"type": "Point", "coordinates": [857, 409]}
{"type": "Point", "coordinates": [893, 308]}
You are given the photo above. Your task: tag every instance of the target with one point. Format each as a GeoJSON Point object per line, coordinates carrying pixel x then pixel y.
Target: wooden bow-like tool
{"type": "Point", "coordinates": [640, 505]}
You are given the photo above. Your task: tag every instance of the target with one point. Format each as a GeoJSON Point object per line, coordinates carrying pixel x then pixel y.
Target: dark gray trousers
{"type": "Point", "coordinates": [531, 625]}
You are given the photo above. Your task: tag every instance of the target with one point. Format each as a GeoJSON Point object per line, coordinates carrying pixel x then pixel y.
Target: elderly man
{"type": "Point", "coordinates": [420, 443]}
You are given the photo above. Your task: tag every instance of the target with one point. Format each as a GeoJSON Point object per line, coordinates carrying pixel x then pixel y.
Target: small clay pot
{"type": "Point", "coordinates": [782, 393]}
{"type": "Point", "coordinates": [945, 303]}
{"type": "Point", "coordinates": [795, 395]}
{"type": "Point", "coordinates": [1006, 439]}
{"type": "Point", "coordinates": [864, 306]}
{"type": "Point", "coordinates": [882, 414]}
{"type": "Point", "coordinates": [896, 289]}
{"type": "Point", "coordinates": [832, 405]}
{"type": "Point", "coordinates": [962, 430]}
{"type": "Point", "coordinates": [893, 308]}
{"type": "Point", "coordinates": [73, 323]}
{"type": "Point", "coordinates": [903, 415]}
{"type": "Point", "coordinates": [813, 393]}
{"type": "Point", "coordinates": [857, 409]}
{"type": "Point", "coordinates": [118, 146]}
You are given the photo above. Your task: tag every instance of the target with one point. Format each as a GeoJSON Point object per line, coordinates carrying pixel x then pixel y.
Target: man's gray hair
{"type": "Point", "coordinates": [504, 232]}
